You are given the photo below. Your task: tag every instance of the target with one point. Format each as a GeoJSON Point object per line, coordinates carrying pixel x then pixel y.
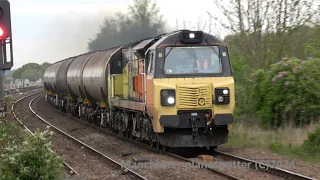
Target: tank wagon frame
{"type": "Point", "coordinates": [134, 89]}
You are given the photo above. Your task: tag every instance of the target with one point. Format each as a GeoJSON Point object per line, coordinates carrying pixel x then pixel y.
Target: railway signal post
{"type": "Point", "coordinates": [6, 54]}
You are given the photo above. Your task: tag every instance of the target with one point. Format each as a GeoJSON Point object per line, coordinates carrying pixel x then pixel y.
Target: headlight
{"type": "Point", "coordinates": [222, 95]}
{"type": "Point", "coordinates": [225, 92]}
{"type": "Point", "coordinates": [170, 100]}
{"type": "Point", "coordinates": [168, 97]}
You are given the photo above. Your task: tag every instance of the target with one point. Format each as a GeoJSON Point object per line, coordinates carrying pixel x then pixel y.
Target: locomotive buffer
{"type": "Point", "coordinates": [5, 49]}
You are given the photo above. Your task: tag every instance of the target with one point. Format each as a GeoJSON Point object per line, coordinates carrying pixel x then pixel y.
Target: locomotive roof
{"type": "Point", "coordinates": [174, 38]}
{"type": "Point", "coordinates": [166, 38]}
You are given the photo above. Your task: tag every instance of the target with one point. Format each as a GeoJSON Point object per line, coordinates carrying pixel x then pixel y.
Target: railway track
{"type": "Point", "coordinates": [19, 90]}
{"type": "Point", "coordinates": [8, 92]}
{"type": "Point", "coordinates": [215, 173]}
{"type": "Point", "coordinates": [100, 154]}
{"type": "Point", "coordinates": [277, 172]}
{"type": "Point", "coordinates": [71, 171]}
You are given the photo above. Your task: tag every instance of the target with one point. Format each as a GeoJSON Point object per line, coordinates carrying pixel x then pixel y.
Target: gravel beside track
{"type": "Point", "coordinates": [228, 167]}
{"type": "Point", "coordinates": [302, 167]}
{"type": "Point", "coordinates": [88, 164]}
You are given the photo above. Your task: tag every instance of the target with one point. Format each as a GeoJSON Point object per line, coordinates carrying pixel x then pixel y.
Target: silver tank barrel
{"type": "Point", "coordinates": [46, 79]}
{"type": "Point", "coordinates": [62, 86]}
{"type": "Point", "coordinates": [50, 77]}
{"type": "Point", "coordinates": [74, 75]}
{"type": "Point", "coordinates": [95, 75]}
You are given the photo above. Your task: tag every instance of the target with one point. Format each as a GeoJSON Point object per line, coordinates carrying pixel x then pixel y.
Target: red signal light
{"type": "Point", "coordinates": [1, 32]}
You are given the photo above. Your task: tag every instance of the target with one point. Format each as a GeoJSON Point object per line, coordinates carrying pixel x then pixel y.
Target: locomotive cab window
{"type": "Point", "coordinates": [192, 60]}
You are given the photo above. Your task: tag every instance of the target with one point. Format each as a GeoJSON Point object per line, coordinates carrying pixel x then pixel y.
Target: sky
{"type": "Point", "coordinates": [51, 30]}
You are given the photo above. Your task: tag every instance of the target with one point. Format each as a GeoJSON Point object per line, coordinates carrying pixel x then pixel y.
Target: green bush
{"type": "Point", "coordinates": [288, 92]}
{"type": "Point", "coordinates": [312, 144]}
{"type": "Point", "coordinates": [241, 71]}
{"type": "Point", "coordinates": [31, 159]}
{"type": "Point", "coordinates": [9, 135]}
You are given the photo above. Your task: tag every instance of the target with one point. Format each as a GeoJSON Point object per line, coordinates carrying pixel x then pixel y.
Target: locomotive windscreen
{"type": "Point", "coordinates": [192, 60]}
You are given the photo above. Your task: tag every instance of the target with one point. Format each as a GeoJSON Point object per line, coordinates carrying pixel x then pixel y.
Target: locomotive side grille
{"type": "Point", "coordinates": [189, 97]}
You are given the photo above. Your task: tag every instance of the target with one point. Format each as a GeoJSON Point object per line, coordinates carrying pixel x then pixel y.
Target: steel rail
{"type": "Point", "coordinates": [72, 171]}
{"type": "Point", "coordinates": [125, 169]}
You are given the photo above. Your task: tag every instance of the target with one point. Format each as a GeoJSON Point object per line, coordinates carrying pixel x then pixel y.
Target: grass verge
{"type": "Point", "coordinates": [285, 141]}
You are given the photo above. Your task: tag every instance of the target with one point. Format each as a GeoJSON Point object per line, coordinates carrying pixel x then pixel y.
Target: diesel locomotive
{"type": "Point", "coordinates": [172, 90]}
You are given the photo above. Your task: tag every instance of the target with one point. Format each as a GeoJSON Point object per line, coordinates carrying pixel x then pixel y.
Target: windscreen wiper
{"type": "Point", "coordinates": [170, 49]}
{"type": "Point", "coordinates": [213, 49]}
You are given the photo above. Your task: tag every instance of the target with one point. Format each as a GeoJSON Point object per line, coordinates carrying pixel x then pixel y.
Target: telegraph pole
{"type": "Point", "coordinates": [5, 43]}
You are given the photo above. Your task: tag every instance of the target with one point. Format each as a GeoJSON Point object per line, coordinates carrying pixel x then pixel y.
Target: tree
{"type": "Point", "coordinates": [31, 74]}
{"type": "Point", "coordinates": [143, 20]}
{"type": "Point", "coordinates": [263, 28]}
{"type": "Point", "coordinates": [17, 73]}
{"type": "Point", "coordinates": [44, 66]}
{"type": "Point", "coordinates": [312, 46]}
{"type": "Point", "coordinates": [261, 32]}
{"type": "Point", "coordinates": [31, 71]}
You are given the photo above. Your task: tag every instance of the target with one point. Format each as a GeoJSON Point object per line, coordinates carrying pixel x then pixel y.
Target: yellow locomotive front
{"type": "Point", "coordinates": [191, 90]}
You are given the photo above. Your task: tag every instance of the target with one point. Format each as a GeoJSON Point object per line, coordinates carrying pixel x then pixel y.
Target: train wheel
{"type": "Point", "coordinates": [131, 136]}
{"type": "Point", "coordinates": [122, 133]}
{"type": "Point", "coordinates": [73, 112]}
{"type": "Point", "coordinates": [64, 109]}
{"type": "Point", "coordinates": [151, 134]}
{"type": "Point", "coordinates": [97, 120]}
{"type": "Point", "coordinates": [127, 134]}
{"type": "Point", "coordinates": [157, 142]}
{"type": "Point", "coordinates": [151, 142]}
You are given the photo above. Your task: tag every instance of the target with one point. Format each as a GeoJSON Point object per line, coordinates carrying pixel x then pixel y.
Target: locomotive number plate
{"type": "Point", "coordinates": [224, 107]}
{"type": "Point", "coordinates": [194, 114]}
